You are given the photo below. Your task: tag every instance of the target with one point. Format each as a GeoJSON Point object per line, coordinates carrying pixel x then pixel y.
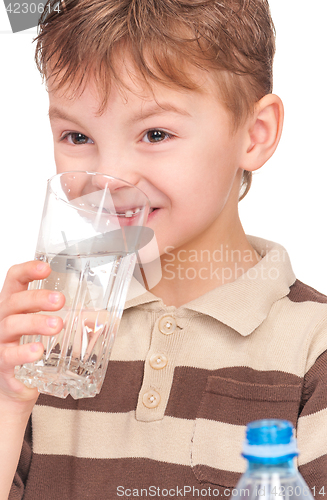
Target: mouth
{"type": "Point", "coordinates": [129, 212]}
{"type": "Point", "coordinates": [132, 212]}
{"type": "Point", "coordinates": [152, 213]}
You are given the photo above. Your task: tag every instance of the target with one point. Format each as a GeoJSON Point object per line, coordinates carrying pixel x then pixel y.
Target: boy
{"type": "Point", "coordinates": [175, 97]}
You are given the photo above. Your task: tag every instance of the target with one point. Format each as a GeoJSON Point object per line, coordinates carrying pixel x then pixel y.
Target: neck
{"type": "Point", "coordinates": [199, 267]}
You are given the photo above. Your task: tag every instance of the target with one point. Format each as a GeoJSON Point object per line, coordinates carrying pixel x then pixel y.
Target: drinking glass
{"type": "Point", "coordinates": [91, 231]}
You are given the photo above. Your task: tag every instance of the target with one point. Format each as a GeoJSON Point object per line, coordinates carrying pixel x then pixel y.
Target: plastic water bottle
{"type": "Point", "coordinates": [270, 448]}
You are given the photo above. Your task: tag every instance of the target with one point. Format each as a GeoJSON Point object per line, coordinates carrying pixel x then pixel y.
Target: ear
{"type": "Point", "coordinates": [262, 132]}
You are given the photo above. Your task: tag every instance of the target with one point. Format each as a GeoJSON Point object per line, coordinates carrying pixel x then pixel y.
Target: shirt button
{"type": "Point", "coordinates": [151, 399]}
{"type": "Point", "coordinates": [158, 361]}
{"type": "Point", "coordinates": [167, 325]}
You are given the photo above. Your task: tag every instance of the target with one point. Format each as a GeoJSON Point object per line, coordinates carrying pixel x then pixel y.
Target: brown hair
{"type": "Point", "coordinates": [233, 39]}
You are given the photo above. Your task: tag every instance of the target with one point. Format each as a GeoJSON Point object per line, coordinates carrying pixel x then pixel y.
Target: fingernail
{"type": "Point", "coordinates": [52, 322]}
{"type": "Point", "coordinates": [41, 266]}
{"type": "Point", "coordinates": [54, 298]}
{"type": "Point", "coordinates": [35, 347]}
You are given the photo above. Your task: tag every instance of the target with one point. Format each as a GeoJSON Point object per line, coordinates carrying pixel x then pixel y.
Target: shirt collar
{"type": "Point", "coordinates": [244, 303]}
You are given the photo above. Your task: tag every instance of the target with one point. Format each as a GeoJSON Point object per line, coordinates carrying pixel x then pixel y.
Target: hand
{"type": "Point", "coordinates": [17, 305]}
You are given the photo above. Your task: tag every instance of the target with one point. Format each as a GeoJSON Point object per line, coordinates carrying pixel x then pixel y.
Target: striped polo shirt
{"type": "Point", "coordinates": [181, 385]}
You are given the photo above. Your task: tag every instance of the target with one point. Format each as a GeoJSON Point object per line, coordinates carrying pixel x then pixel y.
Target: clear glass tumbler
{"type": "Point", "coordinates": [92, 228]}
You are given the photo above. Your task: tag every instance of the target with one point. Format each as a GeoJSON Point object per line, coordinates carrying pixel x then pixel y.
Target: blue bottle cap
{"type": "Point", "coordinates": [269, 441]}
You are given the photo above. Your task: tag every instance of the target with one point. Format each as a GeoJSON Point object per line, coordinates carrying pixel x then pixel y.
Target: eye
{"type": "Point", "coordinates": [77, 138]}
{"type": "Point", "coordinates": [156, 135]}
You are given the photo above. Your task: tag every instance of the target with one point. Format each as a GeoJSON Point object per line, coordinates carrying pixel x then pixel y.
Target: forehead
{"type": "Point", "coordinates": [129, 107]}
{"type": "Point", "coordinates": [167, 98]}
{"type": "Point", "coordinates": [132, 87]}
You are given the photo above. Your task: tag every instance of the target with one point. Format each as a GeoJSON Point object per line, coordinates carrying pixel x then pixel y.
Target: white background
{"type": "Point", "coordinates": [287, 202]}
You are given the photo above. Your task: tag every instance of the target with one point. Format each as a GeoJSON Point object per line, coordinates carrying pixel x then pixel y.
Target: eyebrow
{"type": "Point", "coordinates": [155, 109]}
{"type": "Point", "coordinates": [59, 114]}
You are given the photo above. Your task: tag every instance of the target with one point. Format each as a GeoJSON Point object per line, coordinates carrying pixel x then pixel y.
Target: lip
{"type": "Point", "coordinates": [153, 214]}
{"type": "Point", "coordinates": [129, 221]}
{"type": "Point", "coordinates": [122, 210]}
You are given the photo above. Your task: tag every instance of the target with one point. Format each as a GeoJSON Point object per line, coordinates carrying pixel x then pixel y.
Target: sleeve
{"type": "Point", "coordinates": [19, 482]}
{"type": "Point", "coordinates": [312, 428]}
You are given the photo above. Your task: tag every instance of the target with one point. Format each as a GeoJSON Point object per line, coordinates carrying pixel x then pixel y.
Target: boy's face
{"type": "Point", "coordinates": [181, 154]}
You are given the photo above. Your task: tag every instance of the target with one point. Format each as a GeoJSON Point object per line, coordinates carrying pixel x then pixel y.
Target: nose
{"type": "Point", "coordinates": [115, 162]}
{"type": "Point", "coordinates": [113, 182]}
{"type": "Point", "coordinates": [124, 194]}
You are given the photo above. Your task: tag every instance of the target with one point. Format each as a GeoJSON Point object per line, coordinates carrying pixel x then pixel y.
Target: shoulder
{"type": "Point", "coordinates": [300, 292]}
{"type": "Point", "coordinates": [306, 309]}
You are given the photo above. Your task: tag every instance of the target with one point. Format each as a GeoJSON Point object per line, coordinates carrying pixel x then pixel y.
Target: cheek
{"type": "Point", "coordinates": [203, 194]}
{"type": "Point", "coordinates": [213, 169]}
{"type": "Point", "coordinates": [66, 163]}
{"type": "Point", "coordinates": [74, 187]}
{"type": "Point", "coordinates": [223, 162]}
{"type": "Point", "coordinates": [62, 164]}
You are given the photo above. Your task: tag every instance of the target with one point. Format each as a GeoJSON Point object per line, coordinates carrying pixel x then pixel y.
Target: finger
{"type": "Point", "coordinates": [19, 355]}
{"type": "Point", "coordinates": [13, 327]}
{"type": "Point", "coordinates": [20, 275]}
{"type": "Point", "coordinates": [10, 357]}
{"type": "Point", "coordinates": [31, 301]}
{"type": "Point", "coordinates": [17, 390]}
